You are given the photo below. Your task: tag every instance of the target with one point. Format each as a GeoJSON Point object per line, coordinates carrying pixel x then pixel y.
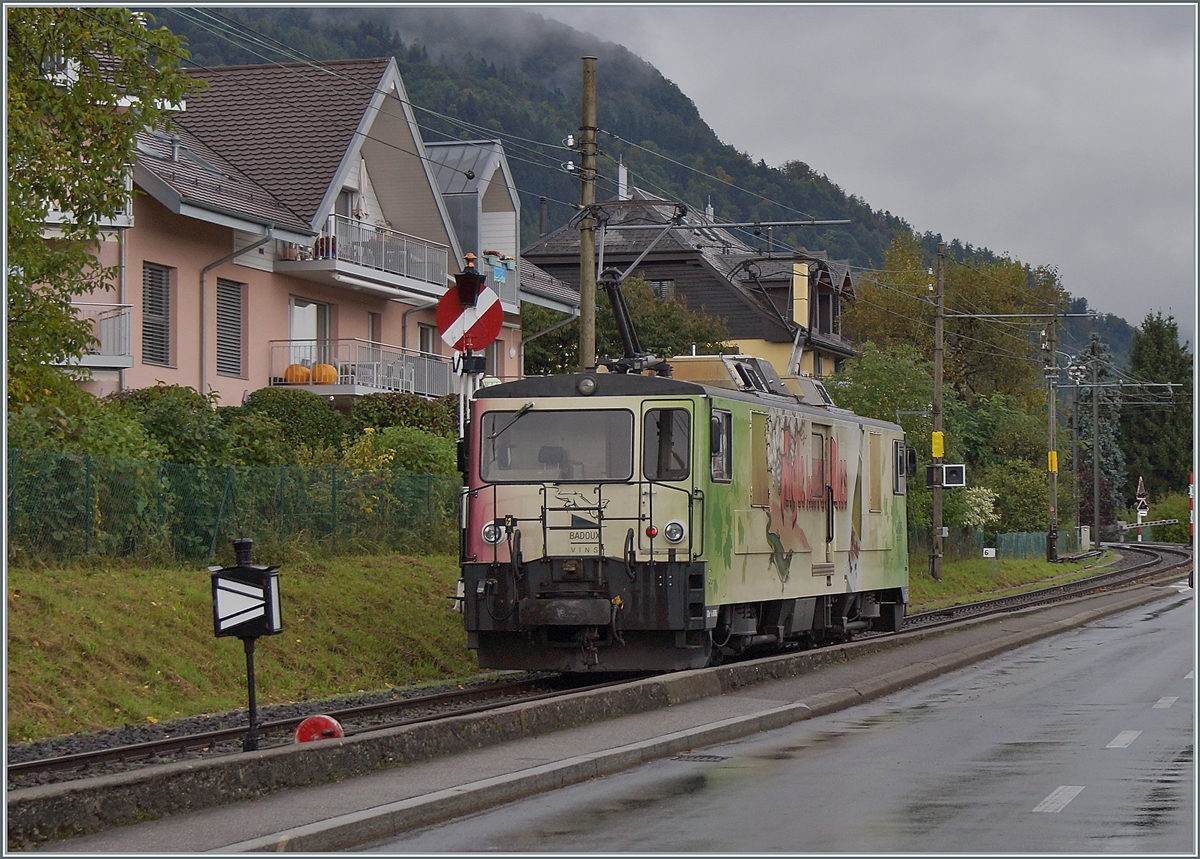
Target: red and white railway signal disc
{"type": "Point", "coordinates": [464, 327]}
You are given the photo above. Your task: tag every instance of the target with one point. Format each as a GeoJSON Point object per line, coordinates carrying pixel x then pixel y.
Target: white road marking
{"type": "Point", "coordinates": [1123, 740]}
{"type": "Point", "coordinates": [1164, 703]}
{"type": "Point", "coordinates": [1190, 675]}
{"type": "Point", "coordinates": [1059, 798]}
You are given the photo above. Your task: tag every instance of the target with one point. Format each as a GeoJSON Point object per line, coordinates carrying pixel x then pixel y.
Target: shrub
{"type": "Point", "coordinates": [255, 438]}
{"type": "Point", "coordinates": [416, 451]}
{"type": "Point", "coordinates": [1021, 495]}
{"type": "Point", "coordinates": [181, 420]}
{"type": "Point", "coordinates": [306, 418]}
{"type": "Point", "coordinates": [86, 427]}
{"type": "Point", "coordinates": [378, 411]}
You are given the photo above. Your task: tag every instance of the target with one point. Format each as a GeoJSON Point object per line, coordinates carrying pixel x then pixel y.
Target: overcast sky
{"type": "Point", "coordinates": [1060, 135]}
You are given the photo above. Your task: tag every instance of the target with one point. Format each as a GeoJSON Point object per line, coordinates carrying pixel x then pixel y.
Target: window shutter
{"type": "Point", "coordinates": [156, 314]}
{"type": "Point", "coordinates": [229, 328]}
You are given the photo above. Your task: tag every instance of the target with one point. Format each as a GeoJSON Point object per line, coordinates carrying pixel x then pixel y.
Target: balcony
{"type": "Point", "coordinates": [346, 369]}
{"type": "Point", "coordinates": [372, 258]}
{"type": "Point", "coordinates": [56, 218]}
{"type": "Point", "coordinates": [508, 284]}
{"type": "Point", "coordinates": [110, 326]}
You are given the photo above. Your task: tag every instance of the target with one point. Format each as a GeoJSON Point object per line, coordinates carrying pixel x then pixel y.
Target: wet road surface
{"type": "Point", "coordinates": [1080, 743]}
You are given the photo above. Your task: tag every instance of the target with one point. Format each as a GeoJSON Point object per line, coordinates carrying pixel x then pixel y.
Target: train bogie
{"type": "Point", "coordinates": [623, 522]}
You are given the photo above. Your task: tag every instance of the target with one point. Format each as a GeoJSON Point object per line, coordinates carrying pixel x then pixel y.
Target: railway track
{"type": "Point", "coordinates": [362, 718]}
{"type": "Point", "coordinates": [1158, 561]}
{"type": "Point", "coordinates": [26, 769]}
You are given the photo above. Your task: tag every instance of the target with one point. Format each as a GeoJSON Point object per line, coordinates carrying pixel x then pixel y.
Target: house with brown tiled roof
{"type": "Point", "coordinates": [781, 306]}
{"type": "Point", "coordinates": [290, 230]}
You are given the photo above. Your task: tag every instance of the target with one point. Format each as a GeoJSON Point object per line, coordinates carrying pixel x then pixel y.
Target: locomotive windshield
{"type": "Point", "coordinates": [552, 446]}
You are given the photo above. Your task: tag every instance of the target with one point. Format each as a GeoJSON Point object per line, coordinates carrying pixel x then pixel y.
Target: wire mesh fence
{"type": "Point", "coordinates": [64, 506]}
{"type": "Point", "coordinates": [962, 545]}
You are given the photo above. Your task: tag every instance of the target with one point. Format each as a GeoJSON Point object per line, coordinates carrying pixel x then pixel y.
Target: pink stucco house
{"type": "Point", "coordinates": [295, 229]}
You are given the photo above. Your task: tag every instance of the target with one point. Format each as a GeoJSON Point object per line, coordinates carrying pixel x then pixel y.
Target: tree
{"type": "Point", "coordinates": [1156, 432]}
{"type": "Point", "coordinates": [1020, 489]}
{"type": "Point", "coordinates": [665, 327]}
{"type": "Point", "coordinates": [982, 356]}
{"type": "Point", "coordinates": [81, 82]}
{"type": "Point", "coordinates": [1094, 363]}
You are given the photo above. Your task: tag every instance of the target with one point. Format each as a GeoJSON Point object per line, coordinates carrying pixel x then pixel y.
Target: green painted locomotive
{"type": "Point", "coordinates": [623, 521]}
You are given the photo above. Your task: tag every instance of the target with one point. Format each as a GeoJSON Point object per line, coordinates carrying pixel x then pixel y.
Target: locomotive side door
{"type": "Point", "coordinates": [667, 475]}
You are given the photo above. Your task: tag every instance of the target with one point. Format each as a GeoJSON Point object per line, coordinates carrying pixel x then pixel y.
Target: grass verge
{"type": "Point", "coordinates": [970, 580]}
{"type": "Point", "coordinates": [106, 643]}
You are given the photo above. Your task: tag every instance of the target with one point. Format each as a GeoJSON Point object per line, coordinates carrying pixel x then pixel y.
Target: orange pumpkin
{"type": "Point", "coordinates": [295, 374]}
{"type": "Point", "coordinates": [324, 374]}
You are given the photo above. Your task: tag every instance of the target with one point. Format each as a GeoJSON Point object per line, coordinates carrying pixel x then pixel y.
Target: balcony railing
{"type": "Point", "coordinates": [110, 326]}
{"type": "Point", "coordinates": [507, 286]}
{"type": "Point", "coordinates": [382, 249]}
{"type": "Point", "coordinates": [56, 217]}
{"type": "Point", "coordinates": [359, 364]}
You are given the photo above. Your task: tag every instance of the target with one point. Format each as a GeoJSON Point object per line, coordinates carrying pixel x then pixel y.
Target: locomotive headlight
{"type": "Point", "coordinates": [674, 531]}
{"type": "Point", "coordinates": [492, 533]}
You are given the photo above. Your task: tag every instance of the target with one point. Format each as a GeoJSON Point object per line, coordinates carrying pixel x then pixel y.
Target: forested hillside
{"type": "Point", "coordinates": [512, 74]}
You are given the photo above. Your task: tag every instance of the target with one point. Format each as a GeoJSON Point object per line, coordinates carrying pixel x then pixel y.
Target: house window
{"type": "Point", "coordinates": [231, 332]}
{"type": "Point", "coordinates": [308, 331]}
{"type": "Point", "coordinates": [427, 338]}
{"type": "Point", "coordinates": [663, 288]}
{"type": "Point", "coordinates": [825, 312]}
{"type": "Point", "coordinates": [156, 314]}
{"type": "Point", "coordinates": [494, 355]}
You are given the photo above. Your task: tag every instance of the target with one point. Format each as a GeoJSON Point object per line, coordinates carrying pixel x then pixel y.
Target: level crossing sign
{"type": "Point", "coordinates": [467, 327]}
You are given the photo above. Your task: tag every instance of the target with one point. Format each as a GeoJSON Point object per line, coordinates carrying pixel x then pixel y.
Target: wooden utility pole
{"type": "Point", "coordinates": [935, 557]}
{"type": "Point", "coordinates": [1052, 454]}
{"type": "Point", "coordinates": [587, 239]}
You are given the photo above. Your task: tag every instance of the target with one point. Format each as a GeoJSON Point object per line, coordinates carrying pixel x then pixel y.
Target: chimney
{"type": "Point", "coordinates": [174, 147]}
{"type": "Point", "coordinates": [708, 210]}
{"type": "Point", "coordinates": [541, 216]}
{"type": "Point", "coordinates": [622, 181]}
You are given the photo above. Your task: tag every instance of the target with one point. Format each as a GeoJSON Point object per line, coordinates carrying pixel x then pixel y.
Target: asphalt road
{"type": "Point", "coordinates": [1082, 743]}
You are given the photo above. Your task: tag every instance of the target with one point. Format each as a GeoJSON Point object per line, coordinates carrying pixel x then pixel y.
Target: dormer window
{"type": "Point", "coordinates": [663, 288]}
{"type": "Point", "coordinates": [345, 202]}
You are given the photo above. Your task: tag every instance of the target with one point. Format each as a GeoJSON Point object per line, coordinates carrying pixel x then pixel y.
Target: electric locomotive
{"type": "Point", "coordinates": [618, 521]}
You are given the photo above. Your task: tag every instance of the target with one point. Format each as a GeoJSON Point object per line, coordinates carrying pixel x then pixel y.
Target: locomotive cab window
{"type": "Point", "coordinates": [721, 448]}
{"type": "Point", "coordinates": [666, 444]}
{"type": "Point", "coordinates": [551, 446]}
